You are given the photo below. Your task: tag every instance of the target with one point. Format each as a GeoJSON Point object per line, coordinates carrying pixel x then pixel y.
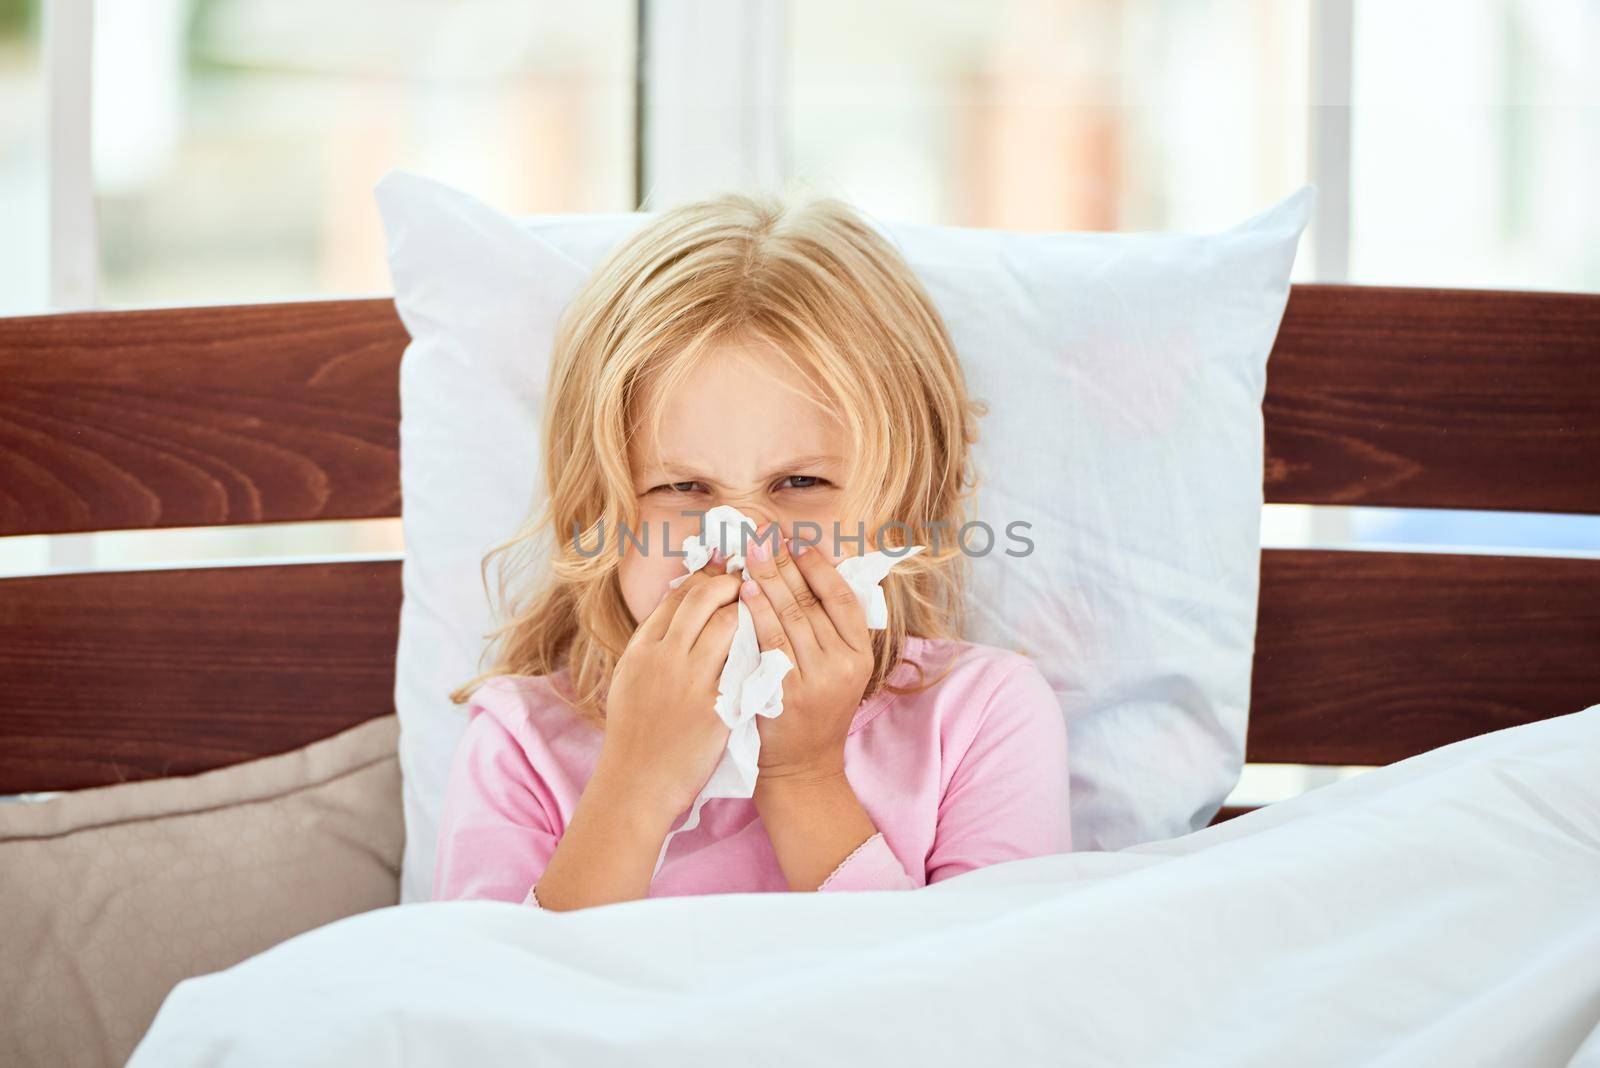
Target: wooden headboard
{"type": "Point", "coordinates": [286, 412]}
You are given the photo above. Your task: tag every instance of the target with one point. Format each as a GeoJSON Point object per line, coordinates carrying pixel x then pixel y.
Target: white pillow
{"type": "Point", "coordinates": [1124, 374]}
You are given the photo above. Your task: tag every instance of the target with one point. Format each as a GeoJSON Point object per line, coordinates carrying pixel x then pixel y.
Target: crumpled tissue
{"type": "Point", "coordinates": [751, 683]}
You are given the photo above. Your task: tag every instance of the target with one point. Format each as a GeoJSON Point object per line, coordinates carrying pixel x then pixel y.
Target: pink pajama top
{"type": "Point", "coordinates": [969, 772]}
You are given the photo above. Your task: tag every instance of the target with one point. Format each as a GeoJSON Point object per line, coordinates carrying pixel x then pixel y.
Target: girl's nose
{"type": "Point", "coordinates": [760, 519]}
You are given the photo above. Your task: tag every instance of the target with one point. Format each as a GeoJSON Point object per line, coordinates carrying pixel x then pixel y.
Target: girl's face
{"type": "Point", "coordinates": [733, 434]}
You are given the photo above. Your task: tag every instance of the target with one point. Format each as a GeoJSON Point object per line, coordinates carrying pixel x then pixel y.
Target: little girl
{"type": "Point", "coordinates": [784, 360]}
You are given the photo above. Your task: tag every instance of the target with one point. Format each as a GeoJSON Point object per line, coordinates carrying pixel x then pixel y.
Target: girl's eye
{"type": "Point", "coordinates": [798, 482]}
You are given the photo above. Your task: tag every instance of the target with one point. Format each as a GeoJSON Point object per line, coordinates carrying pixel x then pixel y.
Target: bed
{"type": "Point", "coordinates": [271, 413]}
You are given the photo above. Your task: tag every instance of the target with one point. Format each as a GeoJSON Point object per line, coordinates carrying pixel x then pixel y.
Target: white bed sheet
{"type": "Point", "coordinates": [1444, 910]}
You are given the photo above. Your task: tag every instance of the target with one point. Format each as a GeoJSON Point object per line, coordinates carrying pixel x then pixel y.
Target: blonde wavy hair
{"type": "Point", "coordinates": [809, 277]}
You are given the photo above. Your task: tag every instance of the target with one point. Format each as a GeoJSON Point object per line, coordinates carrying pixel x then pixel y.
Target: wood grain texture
{"type": "Point", "coordinates": [119, 676]}
{"type": "Point", "coordinates": [1435, 398]}
{"type": "Point", "coordinates": [1361, 658]}
{"type": "Point", "coordinates": [1371, 657]}
{"type": "Point", "coordinates": [280, 412]}
{"type": "Point", "coordinates": [199, 416]}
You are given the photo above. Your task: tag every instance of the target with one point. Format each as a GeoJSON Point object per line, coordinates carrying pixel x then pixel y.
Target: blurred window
{"type": "Point", "coordinates": [24, 155]}
{"type": "Point", "coordinates": [235, 152]}
{"type": "Point", "coordinates": [1475, 150]}
{"type": "Point", "coordinates": [1053, 114]}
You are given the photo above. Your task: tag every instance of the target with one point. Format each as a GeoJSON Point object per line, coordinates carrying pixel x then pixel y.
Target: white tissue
{"type": "Point", "coordinates": [751, 683]}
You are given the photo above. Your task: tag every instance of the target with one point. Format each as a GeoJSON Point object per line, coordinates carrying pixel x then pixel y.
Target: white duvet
{"type": "Point", "coordinates": [1442, 911]}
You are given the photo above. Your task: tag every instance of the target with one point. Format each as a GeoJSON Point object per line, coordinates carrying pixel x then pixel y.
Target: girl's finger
{"type": "Point", "coordinates": [696, 608]}
{"type": "Point", "coordinates": [769, 631]}
{"type": "Point", "coordinates": [791, 575]}
{"type": "Point", "coordinates": [821, 625]}
{"type": "Point", "coordinates": [845, 612]}
{"type": "Point", "coordinates": [654, 627]}
{"type": "Point", "coordinates": [794, 615]}
{"type": "Point", "coordinates": [710, 650]}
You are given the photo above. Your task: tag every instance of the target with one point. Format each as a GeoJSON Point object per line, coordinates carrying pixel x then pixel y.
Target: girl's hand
{"type": "Point", "coordinates": [802, 606]}
{"type": "Point", "coordinates": [662, 734]}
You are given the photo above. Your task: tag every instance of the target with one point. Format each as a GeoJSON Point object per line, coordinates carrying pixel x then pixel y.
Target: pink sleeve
{"type": "Point", "coordinates": [495, 837]}
{"type": "Point", "coordinates": [872, 866]}
{"type": "Point", "coordinates": [1008, 797]}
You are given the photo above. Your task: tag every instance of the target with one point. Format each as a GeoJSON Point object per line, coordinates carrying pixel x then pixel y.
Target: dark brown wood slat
{"type": "Point", "coordinates": [1372, 657]}
{"type": "Point", "coordinates": [199, 416]}
{"type": "Point", "coordinates": [1435, 398]}
{"type": "Point", "coordinates": [277, 412]}
{"type": "Point", "coordinates": [1228, 812]}
{"type": "Point", "coordinates": [1362, 658]}
{"type": "Point", "coordinates": [132, 675]}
